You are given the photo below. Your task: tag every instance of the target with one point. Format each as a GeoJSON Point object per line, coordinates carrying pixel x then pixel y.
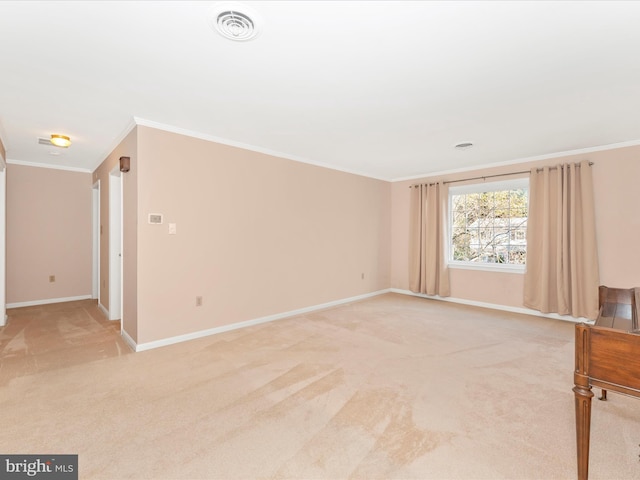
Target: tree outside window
{"type": "Point", "coordinates": [489, 226]}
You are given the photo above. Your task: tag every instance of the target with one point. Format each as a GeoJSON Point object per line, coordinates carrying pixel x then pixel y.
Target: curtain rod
{"type": "Point", "coordinates": [484, 177]}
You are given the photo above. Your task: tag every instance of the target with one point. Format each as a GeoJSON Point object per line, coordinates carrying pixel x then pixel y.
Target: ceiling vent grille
{"type": "Point", "coordinates": [44, 141]}
{"type": "Point", "coordinates": [235, 21]}
{"type": "Point", "coordinates": [235, 26]}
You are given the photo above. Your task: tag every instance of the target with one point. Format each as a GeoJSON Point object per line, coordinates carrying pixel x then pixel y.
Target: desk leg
{"type": "Point", "coordinates": [583, 396]}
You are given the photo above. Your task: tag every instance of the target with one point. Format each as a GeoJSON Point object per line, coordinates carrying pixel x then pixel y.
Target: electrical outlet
{"type": "Point", "coordinates": [198, 301]}
{"type": "Point", "coordinates": [52, 278]}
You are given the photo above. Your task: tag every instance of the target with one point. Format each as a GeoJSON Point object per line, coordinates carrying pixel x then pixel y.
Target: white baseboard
{"type": "Point", "coordinates": [103, 310]}
{"type": "Point", "coordinates": [129, 340]}
{"type": "Point", "coordinates": [248, 323]}
{"type": "Point", "coordinates": [48, 301]}
{"type": "Point", "coordinates": [495, 306]}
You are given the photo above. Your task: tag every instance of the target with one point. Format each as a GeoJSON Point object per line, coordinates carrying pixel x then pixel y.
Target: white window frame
{"type": "Point", "coordinates": [512, 184]}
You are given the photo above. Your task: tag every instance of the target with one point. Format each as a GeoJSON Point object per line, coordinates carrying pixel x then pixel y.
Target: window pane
{"type": "Point", "coordinates": [489, 227]}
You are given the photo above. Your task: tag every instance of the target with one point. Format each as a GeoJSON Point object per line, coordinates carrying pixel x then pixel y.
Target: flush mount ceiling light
{"type": "Point", "coordinates": [235, 21]}
{"type": "Point", "coordinates": [464, 146]}
{"type": "Point", "coordinates": [60, 140]}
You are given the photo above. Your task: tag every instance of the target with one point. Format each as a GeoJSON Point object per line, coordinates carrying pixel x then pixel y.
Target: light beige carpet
{"type": "Point", "coordinates": [49, 337]}
{"type": "Point", "coordinates": [390, 387]}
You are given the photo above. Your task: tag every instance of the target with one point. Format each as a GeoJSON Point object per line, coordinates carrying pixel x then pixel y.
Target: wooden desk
{"type": "Point", "coordinates": [607, 356]}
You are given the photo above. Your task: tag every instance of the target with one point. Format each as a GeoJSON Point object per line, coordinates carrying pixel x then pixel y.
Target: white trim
{"type": "Point", "coordinates": [3, 246]}
{"type": "Point", "coordinates": [95, 223]}
{"type": "Point", "coordinates": [246, 146]}
{"type": "Point", "coordinates": [121, 253]}
{"type": "Point", "coordinates": [103, 310]}
{"type": "Point", "coordinates": [495, 306]}
{"type": "Point", "coordinates": [128, 339]}
{"type": "Point", "coordinates": [48, 301]}
{"type": "Point", "coordinates": [12, 161]}
{"type": "Point", "coordinates": [115, 243]}
{"type": "Point", "coordinates": [580, 151]}
{"type": "Point", "coordinates": [521, 183]}
{"type": "Point", "coordinates": [248, 323]}
{"type": "Point", "coordinates": [488, 267]}
{"type": "Point", "coordinates": [127, 130]}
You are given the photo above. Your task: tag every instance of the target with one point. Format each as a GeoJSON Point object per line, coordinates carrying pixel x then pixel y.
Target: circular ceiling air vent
{"type": "Point", "coordinates": [235, 21]}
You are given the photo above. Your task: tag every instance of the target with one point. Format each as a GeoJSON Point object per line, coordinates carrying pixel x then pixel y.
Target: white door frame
{"type": "Point", "coordinates": [115, 244]}
{"type": "Point", "coordinates": [3, 243]}
{"type": "Point", "coordinates": [95, 192]}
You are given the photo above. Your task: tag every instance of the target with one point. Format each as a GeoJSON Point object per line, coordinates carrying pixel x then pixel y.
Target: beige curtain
{"type": "Point", "coordinates": [562, 259]}
{"type": "Point", "coordinates": [428, 271]}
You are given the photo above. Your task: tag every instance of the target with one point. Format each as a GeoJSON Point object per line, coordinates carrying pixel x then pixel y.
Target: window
{"type": "Point", "coordinates": [488, 224]}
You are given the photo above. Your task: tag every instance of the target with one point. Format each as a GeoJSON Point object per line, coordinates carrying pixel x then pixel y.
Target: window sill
{"type": "Point", "coordinates": [488, 267]}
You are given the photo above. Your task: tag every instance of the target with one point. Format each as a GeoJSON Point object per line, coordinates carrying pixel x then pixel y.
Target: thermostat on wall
{"type": "Point", "coordinates": [155, 218]}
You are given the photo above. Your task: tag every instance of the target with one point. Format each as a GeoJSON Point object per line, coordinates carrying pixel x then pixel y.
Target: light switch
{"type": "Point", "coordinates": [172, 229]}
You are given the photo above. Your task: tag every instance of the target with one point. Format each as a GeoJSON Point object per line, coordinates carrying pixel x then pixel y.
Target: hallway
{"type": "Point", "coordinates": [49, 337]}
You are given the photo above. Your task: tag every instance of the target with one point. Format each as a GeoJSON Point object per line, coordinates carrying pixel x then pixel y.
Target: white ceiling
{"type": "Point", "coordinates": [384, 89]}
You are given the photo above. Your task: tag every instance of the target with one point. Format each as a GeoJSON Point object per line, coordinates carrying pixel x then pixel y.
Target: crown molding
{"type": "Point", "coordinates": [580, 151]}
{"type": "Point", "coordinates": [246, 146]}
{"type": "Point", "coordinates": [11, 161]}
{"type": "Point", "coordinates": [126, 131]}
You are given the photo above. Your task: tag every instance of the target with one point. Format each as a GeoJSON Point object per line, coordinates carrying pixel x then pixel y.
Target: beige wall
{"type": "Point", "coordinates": [256, 235]}
{"type": "Point", "coordinates": [616, 174]}
{"type": "Point", "coordinates": [48, 233]}
{"type": "Point", "coordinates": [259, 235]}
{"type": "Point", "coordinates": [127, 148]}
{"type": "Point", "coordinates": [3, 153]}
